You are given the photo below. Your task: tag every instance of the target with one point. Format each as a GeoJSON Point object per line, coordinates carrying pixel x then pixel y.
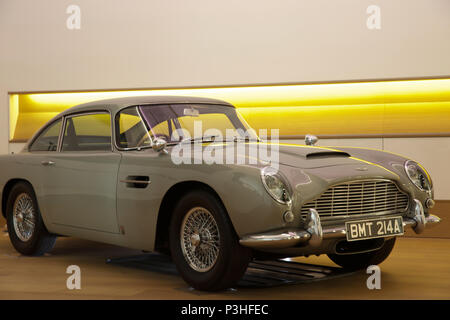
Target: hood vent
{"type": "Point", "coordinates": [327, 154]}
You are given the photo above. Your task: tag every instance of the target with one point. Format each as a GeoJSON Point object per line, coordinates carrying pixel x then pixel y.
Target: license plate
{"type": "Point", "coordinates": [374, 228]}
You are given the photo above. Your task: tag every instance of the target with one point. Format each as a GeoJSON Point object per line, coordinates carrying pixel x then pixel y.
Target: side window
{"type": "Point", "coordinates": [48, 139]}
{"type": "Point", "coordinates": [131, 130]}
{"type": "Point", "coordinates": [91, 132]}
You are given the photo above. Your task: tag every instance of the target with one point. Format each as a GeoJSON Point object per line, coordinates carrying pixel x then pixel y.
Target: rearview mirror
{"type": "Point", "coordinates": [311, 140]}
{"type": "Point", "coordinates": [191, 112]}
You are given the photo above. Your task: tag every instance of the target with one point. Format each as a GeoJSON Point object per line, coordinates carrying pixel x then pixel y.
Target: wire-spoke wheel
{"type": "Point", "coordinates": [24, 217]}
{"type": "Point", "coordinates": [26, 228]}
{"type": "Point", "coordinates": [203, 243]}
{"type": "Point", "coordinates": [200, 239]}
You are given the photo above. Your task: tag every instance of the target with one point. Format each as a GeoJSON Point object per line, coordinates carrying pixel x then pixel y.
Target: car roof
{"type": "Point", "coordinates": [114, 105]}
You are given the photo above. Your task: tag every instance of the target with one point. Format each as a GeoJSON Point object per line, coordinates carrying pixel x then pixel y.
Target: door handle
{"type": "Point", "coordinates": [47, 163]}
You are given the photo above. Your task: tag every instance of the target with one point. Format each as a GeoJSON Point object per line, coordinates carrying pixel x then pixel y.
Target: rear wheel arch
{"type": "Point", "coordinates": [7, 190]}
{"type": "Point", "coordinates": [26, 228]}
{"type": "Point", "coordinates": [167, 206]}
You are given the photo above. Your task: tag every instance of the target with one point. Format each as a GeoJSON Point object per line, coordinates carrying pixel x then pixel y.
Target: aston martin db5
{"type": "Point", "coordinates": [138, 172]}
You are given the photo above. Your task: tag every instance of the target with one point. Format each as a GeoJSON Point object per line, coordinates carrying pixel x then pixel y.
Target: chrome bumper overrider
{"type": "Point", "coordinates": [315, 233]}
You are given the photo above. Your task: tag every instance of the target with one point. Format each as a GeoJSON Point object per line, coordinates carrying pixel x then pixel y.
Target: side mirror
{"type": "Point", "coordinates": [311, 140]}
{"type": "Point", "coordinates": [159, 145]}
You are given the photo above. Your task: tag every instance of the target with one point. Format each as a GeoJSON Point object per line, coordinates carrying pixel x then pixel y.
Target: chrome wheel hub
{"type": "Point", "coordinates": [24, 217]}
{"type": "Point", "coordinates": [200, 239]}
{"type": "Point", "coordinates": [195, 239]}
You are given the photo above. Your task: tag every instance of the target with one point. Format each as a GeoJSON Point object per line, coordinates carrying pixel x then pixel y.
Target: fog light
{"type": "Point", "coordinates": [429, 203]}
{"type": "Point", "coordinates": [288, 216]}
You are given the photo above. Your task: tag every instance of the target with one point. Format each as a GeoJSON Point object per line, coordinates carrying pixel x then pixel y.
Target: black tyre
{"type": "Point", "coordinates": [363, 260]}
{"type": "Point", "coordinates": [26, 229]}
{"type": "Point", "coordinates": [204, 245]}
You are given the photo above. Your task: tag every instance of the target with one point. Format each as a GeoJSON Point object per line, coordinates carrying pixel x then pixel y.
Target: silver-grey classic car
{"type": "Point", "coordinates": [120, 171]}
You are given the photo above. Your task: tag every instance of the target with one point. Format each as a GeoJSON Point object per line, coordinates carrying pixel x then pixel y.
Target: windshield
{"type": "Point", "coordinates": [139, 126]}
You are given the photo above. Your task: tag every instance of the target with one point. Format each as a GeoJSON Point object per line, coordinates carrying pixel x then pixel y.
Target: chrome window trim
{"type": "Point", "coordinates": [85, 113]}
{"type": "Point", "coordinates": [116, 127]}
{"type": "Point", "coordinates": [61, 134]}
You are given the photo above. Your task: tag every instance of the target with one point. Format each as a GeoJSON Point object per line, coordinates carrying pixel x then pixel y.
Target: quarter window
{"type": "Point", "coordinates": [91, 132]}
{"type": "Point", "coordinates": [132, 131]}
{"type": "Point", "coordinates": [48, 139]}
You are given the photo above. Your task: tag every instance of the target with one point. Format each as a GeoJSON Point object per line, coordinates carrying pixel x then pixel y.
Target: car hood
{"type": "Point", "coordinates": [301, 156]}
{"type": "Point", "coordinates": [310, 170]}
{"type": "Point", "coordinates": [309, 157]}
{"type": "Point", "coordinates": [321, 162]}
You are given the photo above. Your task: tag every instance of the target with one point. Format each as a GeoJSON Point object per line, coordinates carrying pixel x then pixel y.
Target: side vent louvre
{"type": "Point", "coordinates": [139, 182]}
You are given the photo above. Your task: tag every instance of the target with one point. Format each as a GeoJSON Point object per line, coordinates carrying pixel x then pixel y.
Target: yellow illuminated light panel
{"type": "Point", "coordinates": [378, 108]}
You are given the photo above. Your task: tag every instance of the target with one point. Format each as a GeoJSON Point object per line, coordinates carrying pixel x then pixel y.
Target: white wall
{"type": "Point", "coordinates": [168, 43]}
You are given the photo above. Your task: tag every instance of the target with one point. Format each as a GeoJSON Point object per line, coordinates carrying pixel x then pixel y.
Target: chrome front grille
{"type": "Point", "coordinates": [358, 198]}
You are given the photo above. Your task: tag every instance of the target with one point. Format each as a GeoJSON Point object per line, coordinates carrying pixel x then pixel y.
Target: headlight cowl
{"type": "Point", "coordinates": [276, 185]}
{"type": "Point", "coordinates": [418, 176]}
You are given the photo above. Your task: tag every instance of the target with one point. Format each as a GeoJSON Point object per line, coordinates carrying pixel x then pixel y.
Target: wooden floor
{"type": "Point", "coordinates": [442, 230]}
{"type": "Point", "coordinates": [417, 269]}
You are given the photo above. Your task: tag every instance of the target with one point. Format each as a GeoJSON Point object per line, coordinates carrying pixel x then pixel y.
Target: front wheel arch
{"type": "Point", "coordinates": [167, 207]}
{"type": "Point", "coordinates": [206, 250]}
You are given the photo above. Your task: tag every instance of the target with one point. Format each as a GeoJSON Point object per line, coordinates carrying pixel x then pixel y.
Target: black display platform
{"type": "Point", "coordinates": [259, 273]}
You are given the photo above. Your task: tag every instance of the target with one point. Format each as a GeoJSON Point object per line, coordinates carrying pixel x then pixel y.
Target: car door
{"type": "Point", "coordinates": [79, 182]}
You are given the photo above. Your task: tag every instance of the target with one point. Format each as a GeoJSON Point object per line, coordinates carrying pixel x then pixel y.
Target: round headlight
{"type": "Point", "coordinates": [275, 185]}
{"type": "Point", "coordinates": [418, 176]}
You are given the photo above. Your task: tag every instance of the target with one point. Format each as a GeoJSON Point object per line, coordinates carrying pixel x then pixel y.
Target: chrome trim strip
{"type": "Point", "coordinates": [136, 181]}
{"type": "Point", "coordinates": [284, 239]}
{"type": "Point", "coordinates": [61, 134]}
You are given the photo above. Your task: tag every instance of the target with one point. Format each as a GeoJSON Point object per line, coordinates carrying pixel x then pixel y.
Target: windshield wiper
{"type": "Point", "coordinates": [202, 139]}
{"type": "Point", "coordinates": [215, 139]}
{"type": "Point", "coordinates": [239, 139]}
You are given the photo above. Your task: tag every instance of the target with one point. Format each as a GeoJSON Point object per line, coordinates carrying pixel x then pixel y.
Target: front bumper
{"type": "Point", "coordinates": [314, 233]}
